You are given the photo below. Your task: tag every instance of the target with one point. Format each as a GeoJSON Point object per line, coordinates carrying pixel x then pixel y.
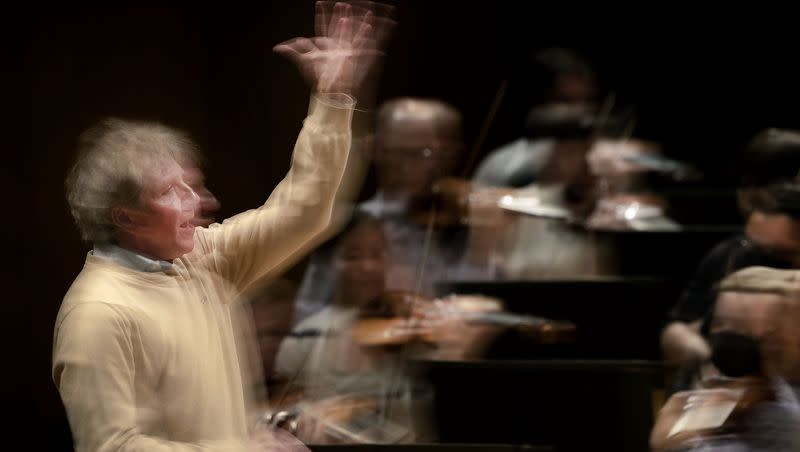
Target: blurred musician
{"type": "Point", "coordinates": [745, 398]}
{"type": "Point", "coordinates": [333, 368]}
{"type": "Point", "coordinates": [769, 196]}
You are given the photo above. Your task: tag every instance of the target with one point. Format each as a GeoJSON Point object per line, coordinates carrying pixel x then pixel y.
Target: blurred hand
{"type": "Point", "coordinates": [682, 344]}
{"type": "Point", "coordinates": [349, 40]}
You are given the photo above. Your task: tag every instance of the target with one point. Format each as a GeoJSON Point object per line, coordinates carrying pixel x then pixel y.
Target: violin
{"type": "Point", "coordinates": [450, 200]}
{"type": "Point", "coordinates": [406, 317]}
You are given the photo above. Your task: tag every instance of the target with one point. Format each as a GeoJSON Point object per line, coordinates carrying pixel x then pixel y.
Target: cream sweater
{"type": "Point", "coordinates": [149, 361]}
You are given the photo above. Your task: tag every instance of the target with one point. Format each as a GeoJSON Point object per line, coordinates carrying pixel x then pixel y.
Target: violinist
{"type": "Point", "coordinates": [538, 247]}
{"type": "Point", "coordinates": [770, 199]}
{"type": "Point", "coordinates": [624, 201]}
{"type": "Point", "coordinates": [746, 396]}
{"type": "Point", "coordinates": [359, 264]}
{"type": "Point", "coordinates": [327, 359]}
{"type": "Point", "coordinates": [557, 76]}
{"type": "Point", "coordinates": [416, 142]}
{"type": "Point", "coordinates": [587, 181]}
{"type": "Point", "coordinates": [320, 355]}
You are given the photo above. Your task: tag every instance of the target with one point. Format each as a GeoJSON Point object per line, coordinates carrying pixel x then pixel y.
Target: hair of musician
{"type": "Point", "coordinates": [359, 219]}
{"type": "Point", "coordinates": [771, 156]}
{"type": "Point", "coordinates": [441, 113]}
{"type": "Point", "coordinates": [114, 159]}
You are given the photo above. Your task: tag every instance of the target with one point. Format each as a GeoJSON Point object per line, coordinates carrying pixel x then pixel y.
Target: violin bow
{"type": "Point", "coordinates": [497, 101]}
{"type": "Point", "coordinates": [428, 240]}
{"type": "Point", "coordinates": [487, 123]}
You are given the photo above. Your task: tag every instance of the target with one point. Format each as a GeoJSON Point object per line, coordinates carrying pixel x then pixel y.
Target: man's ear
{"type": "Point", "coordinates": [124, 218]}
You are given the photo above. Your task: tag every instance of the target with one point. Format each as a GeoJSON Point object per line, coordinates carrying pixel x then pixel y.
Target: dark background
{"type": "Point", "coordinates": [703, 83]}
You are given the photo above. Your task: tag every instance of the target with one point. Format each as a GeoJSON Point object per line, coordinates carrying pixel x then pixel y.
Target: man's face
{"type": "Point", "coordinates": [414, 153]}
{"type": "Point", "coordinates": [775, 234]}
{"type": "Point", "coordinates": [162, 227]}
{"type": "Point", "coordinates": [361, 264]}
{"type": "Point", "coordinates": [208, 203]}
{"type": "Point", "coordinates": [574, 88]}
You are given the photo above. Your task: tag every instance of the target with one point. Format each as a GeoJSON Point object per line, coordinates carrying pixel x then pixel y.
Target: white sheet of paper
{"type": "Point", "coordinates": [704, 416]}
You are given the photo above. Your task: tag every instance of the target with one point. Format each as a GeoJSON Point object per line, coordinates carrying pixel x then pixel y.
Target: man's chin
{"type": "Point", "coordinates": [186, 248]}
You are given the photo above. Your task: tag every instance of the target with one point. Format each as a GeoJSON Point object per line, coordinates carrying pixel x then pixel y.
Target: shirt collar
{"type": "Point", "coordinates": [130, 259]}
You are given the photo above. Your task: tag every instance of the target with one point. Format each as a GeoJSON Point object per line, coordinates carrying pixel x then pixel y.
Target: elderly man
{"type": "Point", "coordinates": [145, 354]}
{"type": "Point", "coordinates": [417, 141]}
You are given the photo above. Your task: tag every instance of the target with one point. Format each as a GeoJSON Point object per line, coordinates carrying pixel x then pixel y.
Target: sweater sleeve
{"type": "Point", "coordinates": [253, 244]}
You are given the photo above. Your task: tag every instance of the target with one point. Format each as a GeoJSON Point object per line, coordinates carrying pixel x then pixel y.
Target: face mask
{"type": "Point", "coordinates": [735, 355]}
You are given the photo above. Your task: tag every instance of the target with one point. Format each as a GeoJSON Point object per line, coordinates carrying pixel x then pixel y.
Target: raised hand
{"type": "Point", "coordinates": [349, 40]}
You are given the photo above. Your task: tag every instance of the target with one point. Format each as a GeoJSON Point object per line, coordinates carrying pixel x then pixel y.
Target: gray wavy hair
{"type": "Point", "coordinates": [114, 158]}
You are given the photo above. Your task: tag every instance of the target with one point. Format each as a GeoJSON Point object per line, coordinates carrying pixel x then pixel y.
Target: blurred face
{"type": "Point", "coordinates": [568, 163]}
{"type": "Point", "coordinates": [361, 265]}
{"type": "Point", "coordinates": [414, 153]}
{"type": "Point", "coordinates": [162, 227]}
{"type": "Point", "coordinates": [775, 234]}
{"type": "Point", "coordinates": [573, 88]}
{"type": "Point", "coordinates": [207, 202]}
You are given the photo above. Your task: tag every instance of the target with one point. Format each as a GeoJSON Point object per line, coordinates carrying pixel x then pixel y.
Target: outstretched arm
{"type": "Point", "coordinates": [260, 242]}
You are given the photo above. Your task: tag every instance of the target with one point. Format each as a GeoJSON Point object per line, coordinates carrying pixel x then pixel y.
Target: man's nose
{"type": "Point", "coordinates": [372, 266]}
{"type": "Point", "coordinates": [208, 201]}
{"type": "Point", "coordinates": [190, 200]}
